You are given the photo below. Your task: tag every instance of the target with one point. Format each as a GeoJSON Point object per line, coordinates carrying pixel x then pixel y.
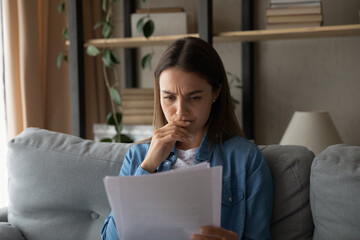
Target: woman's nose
{"type": "Point", "coordinates": [182, 108]}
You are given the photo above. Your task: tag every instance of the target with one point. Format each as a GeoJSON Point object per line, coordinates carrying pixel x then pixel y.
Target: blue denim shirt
{"type": "Point", "coordinates": [247, 186]}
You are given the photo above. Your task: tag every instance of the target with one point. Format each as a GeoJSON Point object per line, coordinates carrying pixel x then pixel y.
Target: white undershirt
{"type": "Point", "coordinates": [185, 158]}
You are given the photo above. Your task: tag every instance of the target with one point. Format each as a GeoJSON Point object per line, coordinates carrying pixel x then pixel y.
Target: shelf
{"type": "Point", "coordinates": [236, 36]}
{"type": "Point", "coordinates": [135, 41]}
{"type": "Point", "coordinates": [293, 33]}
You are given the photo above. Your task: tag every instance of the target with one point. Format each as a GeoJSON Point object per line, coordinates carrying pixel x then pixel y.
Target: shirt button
{"type": "Point", "coordinates": [230, 199]}
{"type": "Point", "coordinates": [94, 215]}
{"type": "Point", "coordinates": [167, 163]}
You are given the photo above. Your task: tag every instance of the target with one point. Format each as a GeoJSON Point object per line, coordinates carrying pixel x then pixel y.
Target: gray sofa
{"type": "Point", "coordinates": [56, 188]}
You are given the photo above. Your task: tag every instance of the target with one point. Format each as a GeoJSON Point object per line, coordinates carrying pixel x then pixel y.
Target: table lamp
{"type": "Point", "coordinates": [314, 130]}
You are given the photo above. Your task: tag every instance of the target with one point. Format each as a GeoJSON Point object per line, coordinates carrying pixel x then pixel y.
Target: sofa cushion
{"type": "Point", "coordinates": [56, 188]}
{"type": "Point", "coordinates": [8, 232]}
{"type": "Point", "coordinates": [4, 214]}
{"type": "Point", "coordinates": [290, 168]}
{"type": "Point", "coordinates": [335, 193]}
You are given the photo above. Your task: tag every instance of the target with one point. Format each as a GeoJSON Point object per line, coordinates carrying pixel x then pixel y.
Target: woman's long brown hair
{"type": "Point", "coordinates": [195, 55]}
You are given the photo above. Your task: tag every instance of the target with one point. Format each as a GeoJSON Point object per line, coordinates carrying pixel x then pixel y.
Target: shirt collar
{"type": "Point", "coordinates": [204, 151]}
{"type": "Point", "coordinates": [203, 154]}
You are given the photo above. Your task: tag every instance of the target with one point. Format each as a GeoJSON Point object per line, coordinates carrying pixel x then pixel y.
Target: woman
{"type": "Point", "coordinates": [195, 122]}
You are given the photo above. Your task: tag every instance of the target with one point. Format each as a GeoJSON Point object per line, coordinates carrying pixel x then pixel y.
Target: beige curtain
{"type": "Point", "coordinates": [96, 96]}
{"type": "Point", "coordinates": [37, 92]}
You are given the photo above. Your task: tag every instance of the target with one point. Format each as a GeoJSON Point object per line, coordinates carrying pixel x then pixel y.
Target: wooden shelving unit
{"type": "Point", "coordinates": [236, 36]}
{"type": "Point", "coordinates": [247, 37]}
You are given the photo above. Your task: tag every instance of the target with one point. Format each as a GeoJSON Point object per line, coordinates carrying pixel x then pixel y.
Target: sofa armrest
{"type": "Point", "coordinates": [9, 232]}
{"type": "Point", "coordinates": [4, 214]}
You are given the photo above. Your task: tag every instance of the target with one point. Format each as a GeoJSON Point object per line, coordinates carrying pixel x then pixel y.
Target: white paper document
{"type": "Point", "coordinates": [167, 205]}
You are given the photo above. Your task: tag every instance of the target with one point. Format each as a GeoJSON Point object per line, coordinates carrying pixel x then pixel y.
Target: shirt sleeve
{"type": "Point", "coordinates": [130, 166]}
{"type": "Point", "coordinates": [259, 199]}
{"type": "Point", "coordinates": [132, 161]}
{"type": "Point", "coordinates": [109, 231]}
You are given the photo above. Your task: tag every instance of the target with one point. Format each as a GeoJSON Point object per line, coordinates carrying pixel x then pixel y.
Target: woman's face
{"type": "Point", "coordinates": [186, 96]}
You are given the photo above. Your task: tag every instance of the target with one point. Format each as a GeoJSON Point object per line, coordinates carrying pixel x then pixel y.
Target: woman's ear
{"type": "Point", "coordinates": [217, 93]}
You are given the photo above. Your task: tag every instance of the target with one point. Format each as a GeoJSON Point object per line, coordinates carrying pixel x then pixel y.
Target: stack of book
{"type": "Point", "coordinates": [294, 13]}
{"type": "Point", "coordinates": [137, 106]}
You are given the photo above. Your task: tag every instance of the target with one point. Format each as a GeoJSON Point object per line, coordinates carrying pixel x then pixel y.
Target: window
{"type": "Point", "coordinates": [3, 135]}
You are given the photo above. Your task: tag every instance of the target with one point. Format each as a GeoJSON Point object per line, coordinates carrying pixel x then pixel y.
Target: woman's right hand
{"type": "Point", "coordinates": [162, 142]}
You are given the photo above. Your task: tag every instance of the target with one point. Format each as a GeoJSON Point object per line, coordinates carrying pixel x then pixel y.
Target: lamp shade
{"type": "Point", "coordinates": [314, 130]}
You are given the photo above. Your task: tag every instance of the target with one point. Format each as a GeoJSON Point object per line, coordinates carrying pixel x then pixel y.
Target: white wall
{"type": "Point", "coordinates": [309, 74]}
{"type": "Point", "coordinates": [302, 74]}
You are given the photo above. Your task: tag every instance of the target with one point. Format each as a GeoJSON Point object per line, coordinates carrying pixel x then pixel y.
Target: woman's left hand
{"type": "Point", "coordinates": [210, 233]}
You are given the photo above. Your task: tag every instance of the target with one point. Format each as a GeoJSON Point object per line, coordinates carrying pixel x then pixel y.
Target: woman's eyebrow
{"type": "Point", "coordinates": [194, 92]}
{"type": "Point", "coordinates": [187, 94]}
{"type": "Point", "coordinates": [167, 92]}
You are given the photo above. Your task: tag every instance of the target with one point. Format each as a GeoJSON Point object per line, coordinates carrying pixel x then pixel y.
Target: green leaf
{"type": "Point", "coordinates": [92, 50]}
{"type": "Point", "coordinates": [123, 138]}
{"type": "Point", "coordinates": [106, 140]}
{"type": "Point", "coordinates": [104, 5]}
{"type": "Point", "coordinates": [235, 101]}
{"type": "Point", "coordinates": [146, 61]}
{"type": "Point", "coordinates": [148, 28]}
{"type": "Point", "coordinates": [114, 57]}
{"type": "Point", "coordinates": [126, 139]}
{"type": "Point", "coordinates": [98, 24]}
{"type": "Point", "coordinates": [237, 79]}
{"type": "Point", "coordinates": [110, 118]}
{"type": "Point", "coordinates": [140, 25]}
{"type": "Point", "coordinates": [65, 34]}
{"type": "Point", "coordinates": [115, 96]}
{"type": "Point", "coordinates": [106, 30]}
{"type": "Point", "coordinates": [59, 59]}
{"type": "Point", "coordinates": [106, 58]}
{"type": "Point", "coordinates": [61, 7]}
{"type": "Point", "coordinates": [144, 1]}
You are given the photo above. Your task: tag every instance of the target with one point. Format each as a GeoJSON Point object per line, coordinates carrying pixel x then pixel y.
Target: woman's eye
{"type": "Point", "coordinates": [169, 98]}
{"type": "Point", "coordinates": [197, 98]}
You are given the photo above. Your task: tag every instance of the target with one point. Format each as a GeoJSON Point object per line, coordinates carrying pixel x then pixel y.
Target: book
{"type": "Point", "coordinates": [167, 205]}
{"type": "Point", "coordinates": [295, 10]}
{"type": "Point", "coordinates": [293, 1]}
{"type": "Point", "coordinates": [292, 25]}
{"type": "Point", "coordinates": [137, 91]}
{"type": "Point", "coordinates": [137, 104]}
{"type": "Point", "coordinates": [159, 10]}
{"type": "Point", "coordinates": [284, 5]}
{"type": "Point", "coordinates": [295, 18]}
{"type": "Point", "coordinates": [137, 119]}
{"type": "Point", "coordinates": [138, 111]}
{"type": "Point", "coordinates": [138, 97]}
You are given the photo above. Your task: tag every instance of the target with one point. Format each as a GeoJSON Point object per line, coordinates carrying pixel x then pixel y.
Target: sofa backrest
{"type": "Point", "coordinates": [335, 193]}
{"type": "Point", "coordinates": [56, 188]}
{"type": "Point", "coordinates": [290, 167]}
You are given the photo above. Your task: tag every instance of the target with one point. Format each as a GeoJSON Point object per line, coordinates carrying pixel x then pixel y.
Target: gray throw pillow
{"type": "Point", "coordinates": [335, 193]}
{"type": "Point", "coordinates": [56, 185]}
{"type": "Point", "coordinates": [290, 169]}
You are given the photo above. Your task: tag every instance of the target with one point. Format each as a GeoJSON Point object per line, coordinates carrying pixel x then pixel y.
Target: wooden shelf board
{"type": "Point", "coordinates": [235, 36]}
{"type": "Point", "coordinates": [293, 33]}
{"type": "Point", "coordinates": [136, 41]}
